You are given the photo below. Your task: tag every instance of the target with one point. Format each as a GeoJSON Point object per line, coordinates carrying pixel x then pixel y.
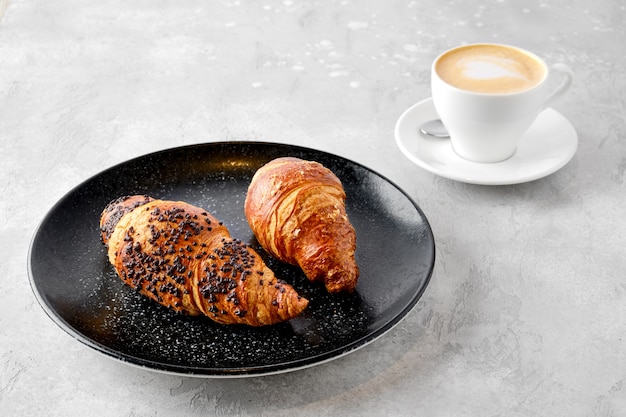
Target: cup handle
{"type": "Point", "coordinates": [568, 78]}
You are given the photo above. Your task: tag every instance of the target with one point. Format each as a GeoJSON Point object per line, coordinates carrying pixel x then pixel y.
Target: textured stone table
{"type": "Point", "coordinates": [526, 312]}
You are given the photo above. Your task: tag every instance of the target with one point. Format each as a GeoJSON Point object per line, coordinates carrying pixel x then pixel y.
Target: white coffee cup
{"type": "Point", "coordinates": [488, 95]}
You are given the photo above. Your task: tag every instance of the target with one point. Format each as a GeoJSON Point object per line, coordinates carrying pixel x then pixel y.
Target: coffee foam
{"type": "Point", "coordinates": [484, 67]}
{"type": "Point", "coordinates": [490, 69]}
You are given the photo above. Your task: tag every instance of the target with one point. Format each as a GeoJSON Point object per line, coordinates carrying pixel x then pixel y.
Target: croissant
{"type": "Point", "coordinates": [296, 209]}
{"type": "Point", "coordinates": [185, 259]}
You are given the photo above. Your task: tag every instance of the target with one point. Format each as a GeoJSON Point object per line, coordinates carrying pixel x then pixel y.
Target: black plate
{"type": "Point", "coordinates": [78, 289]}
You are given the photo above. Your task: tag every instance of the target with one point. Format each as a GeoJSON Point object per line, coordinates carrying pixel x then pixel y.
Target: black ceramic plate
{"type": "Point", "coordinates": [76, 286]}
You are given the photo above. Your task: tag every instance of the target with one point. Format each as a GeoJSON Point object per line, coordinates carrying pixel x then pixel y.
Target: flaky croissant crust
{"type": "Point", "coordinates": [296, 209]}
{"type": "Point", "coordinates": [184, 258]}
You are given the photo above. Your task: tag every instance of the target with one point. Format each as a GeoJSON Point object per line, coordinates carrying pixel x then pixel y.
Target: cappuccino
{"type": "Point", "coordinates": [490, 69]}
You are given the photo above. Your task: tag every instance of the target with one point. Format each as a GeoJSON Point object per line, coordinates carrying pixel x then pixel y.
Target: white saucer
{"type": "Point", "coordinates": [545, 148]}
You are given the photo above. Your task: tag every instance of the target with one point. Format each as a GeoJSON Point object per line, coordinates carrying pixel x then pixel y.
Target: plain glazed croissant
{"type": "Point", "coordinates": [296, 210]}
{"type": "Point", "coordinates": [184, 258]}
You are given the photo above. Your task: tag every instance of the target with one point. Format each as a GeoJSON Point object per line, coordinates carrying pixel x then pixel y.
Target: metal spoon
{"type": "Point", "coordinates": [435, 129]}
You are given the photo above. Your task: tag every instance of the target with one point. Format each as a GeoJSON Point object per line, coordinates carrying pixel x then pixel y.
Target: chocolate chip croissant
{"type": "Point", "coordinates": [185, 259]}
{"type": "Point", "coordinates": [296, 210]}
